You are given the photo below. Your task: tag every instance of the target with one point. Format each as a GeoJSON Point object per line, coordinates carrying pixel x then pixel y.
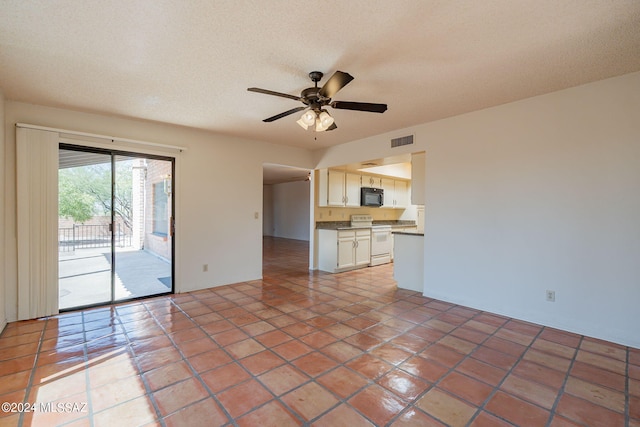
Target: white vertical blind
{"type": "Point", "coordinates": [37, 217]}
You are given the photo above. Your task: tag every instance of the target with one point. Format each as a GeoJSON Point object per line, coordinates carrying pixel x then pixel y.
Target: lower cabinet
{"type": "Point", "coordinates": [341, 250]}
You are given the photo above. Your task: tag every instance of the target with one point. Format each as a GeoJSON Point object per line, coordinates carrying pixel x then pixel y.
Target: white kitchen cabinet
{"type": "Point", "coordinates": [401, 194]}
{"type": "Point", "coordinates": [338, 188]}
{"type": "Point", "coordinates": [346, 250]}
{"type": "Point", "coordinates": [396, 193]}
{"type": "Point", "coordinates": [352, 190]}
{"type": "Point", "coordinates": [371, 181]}
{"type": "Point", "coordinates": [362, 253]}
{"type": "Point", "coordinates": [335, 189]}
{"type": "Point", "coordinates": [342, 250]}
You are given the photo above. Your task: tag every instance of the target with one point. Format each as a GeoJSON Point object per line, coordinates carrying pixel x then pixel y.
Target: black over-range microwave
{"type": "Point", "coordinates": [371, 196]}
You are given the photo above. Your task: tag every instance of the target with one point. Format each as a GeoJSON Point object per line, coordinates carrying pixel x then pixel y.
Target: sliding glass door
{"type": "Point", "coordinates": [84, 236]}
{"type": "Point", "coordinates": [143, 227]}
{"type": "Point", "coordinates": [115, 226]}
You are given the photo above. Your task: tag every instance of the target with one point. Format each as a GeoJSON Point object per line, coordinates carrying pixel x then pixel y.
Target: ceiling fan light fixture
{"type": "Point", "coordinates": [325, 119]}
{"type": "Point", "coordinates": [302, 124]}
{"type": "Point", "coordinates": [315, 98]}
{"type": "Point", "coordinates": [308, 118]}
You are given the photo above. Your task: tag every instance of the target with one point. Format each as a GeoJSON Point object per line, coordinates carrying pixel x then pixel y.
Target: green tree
{"type": "Point", "coordinates": [85, 192]}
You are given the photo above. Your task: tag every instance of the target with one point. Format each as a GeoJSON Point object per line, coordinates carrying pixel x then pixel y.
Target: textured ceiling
{"type": "Point", "coordinates": [190, 62]}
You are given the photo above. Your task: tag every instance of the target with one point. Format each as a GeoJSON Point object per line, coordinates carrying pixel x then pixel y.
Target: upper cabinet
{"type": "Point", "coordinates": [371, 181]}
{"type": "Point", "coordinates": [396, 193]}
{"type": "Point", "coordinates": [342, 189]}
{"type": "Point", "coordinates": [339, 188]}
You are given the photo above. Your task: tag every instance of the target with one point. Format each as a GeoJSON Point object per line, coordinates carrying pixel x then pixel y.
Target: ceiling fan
{"type": "Point", "coordinates": [315, 98]}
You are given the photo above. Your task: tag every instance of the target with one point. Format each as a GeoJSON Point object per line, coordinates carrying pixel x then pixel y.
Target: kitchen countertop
{"type": "Point", "coordinates": [346, 225]}
{"type": "Point", "coordinates": [409, 233]}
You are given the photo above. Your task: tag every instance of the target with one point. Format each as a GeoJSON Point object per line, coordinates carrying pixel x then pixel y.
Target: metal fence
{"type": "Point", "coordinates": [92, 236]}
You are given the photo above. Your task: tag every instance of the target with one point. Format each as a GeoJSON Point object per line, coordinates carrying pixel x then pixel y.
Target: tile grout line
{"type": "Point", "coordinates": [289, 362]}
{"type": "Point", "coordinates": [339, 399]}
{"type": "Point", "coordinates": [193, 370]}
{"type": "Point", "coordinates": [411, 403]}
{"type": "Point", "coordinates": [33, 371]}
{"type": "Point", "coordinates": [370, 382]}
{"type": "Point", "coordinates": [627, 389]}
{"type": "Point", "coordinates": [509, 372]}
{"type": "Point", "coordinates": [233, 360]}
{"type": "Point", "coordinates": [87, 381]}
{"type": "Point", "coordinates": [449, 370]}
{"type": "Point", "coordinates": [564, 383]}
{"type": "Point", "coordinates": [415, 353]}
{"type": "Point", "coordinates": [140, 373]}
{"type": "Point", "coordinates": [480, 407]}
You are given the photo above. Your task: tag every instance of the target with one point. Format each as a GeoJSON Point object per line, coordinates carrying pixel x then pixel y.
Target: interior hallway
{"type": "Point", "coordinates": [305, 348]}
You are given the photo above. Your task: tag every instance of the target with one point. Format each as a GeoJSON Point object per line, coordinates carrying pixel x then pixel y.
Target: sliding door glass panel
{"type": "Point", "coordinates": [142, 227]}
{"type": "Point", "coordinates": [84, 228]}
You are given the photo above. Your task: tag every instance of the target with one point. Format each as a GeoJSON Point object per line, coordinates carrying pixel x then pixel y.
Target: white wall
{"type": "Point", "coordinates": [218, 190]}
{"type": "Point", "coordinates": [267, 210]}
{"type": "Point", "coordinates": [3, 170]}
{"type": "Point", "coordinates": [291, 210]}
{"type": "Point", "coordinates": [538, 194]}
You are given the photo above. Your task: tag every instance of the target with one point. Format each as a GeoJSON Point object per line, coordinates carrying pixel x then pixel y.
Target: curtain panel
{"type": "Point", "coordinates": [37, 222]}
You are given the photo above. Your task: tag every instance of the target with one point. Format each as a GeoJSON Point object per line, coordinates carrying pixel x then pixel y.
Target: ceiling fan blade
{"type": "Point", "coordinates": [270, 92]}
{"type": "Point", "coordinates": [332, 127]}
{"type": "Point", "coordinates": [359, 106]}
{"type": "Point", "coordinates": [286, 113]}
{"type": "Point", "coordinates": [335, 83]}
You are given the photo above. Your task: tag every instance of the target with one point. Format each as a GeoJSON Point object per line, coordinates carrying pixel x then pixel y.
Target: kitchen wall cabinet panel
{"type": "Point", "coordinates": [401, 191]}
{"type": "Point", "coordinates": [371, 181]}
{"type": "Point", "coordinates": [352, 189]}
{"type": "Point", "coordinates": [342, 189]}
{"type": "Point", "coordinates": [396, 193]}
{"type": "Point", "coordinates": [338, 188]}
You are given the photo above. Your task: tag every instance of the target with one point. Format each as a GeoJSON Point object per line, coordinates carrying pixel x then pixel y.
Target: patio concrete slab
{"type": "Point", "coordinates": [85, 276]}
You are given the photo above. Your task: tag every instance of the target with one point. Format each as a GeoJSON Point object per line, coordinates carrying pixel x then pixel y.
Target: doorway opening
{"type": "Point", "coordinates": [115, 226]}
{"type": "Point", "coordinates": [287, 194]}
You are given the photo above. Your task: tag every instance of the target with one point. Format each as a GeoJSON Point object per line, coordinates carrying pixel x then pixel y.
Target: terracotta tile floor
{"type": "Point", "coordinates": [301, 348]}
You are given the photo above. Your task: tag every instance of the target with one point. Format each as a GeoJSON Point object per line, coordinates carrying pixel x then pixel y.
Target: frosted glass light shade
{"type": "Point", "coordinates": [325, 119]}
{"type": "Point", "coordinates": [302, 124]}
{"type": "Point", "coordinates": [308, 118]}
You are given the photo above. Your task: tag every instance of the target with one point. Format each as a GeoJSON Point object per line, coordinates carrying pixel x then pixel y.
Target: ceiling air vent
{"type": "Point", "coordinates": [404, 140]}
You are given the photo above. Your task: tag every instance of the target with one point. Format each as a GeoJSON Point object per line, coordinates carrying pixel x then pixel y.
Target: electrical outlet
{"type": "Point", "coordinates": [205, 268]}
{"type": "Point", "coordinates": [551, 296]}
{"type": "Point", "coordinates": [256, 215]}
